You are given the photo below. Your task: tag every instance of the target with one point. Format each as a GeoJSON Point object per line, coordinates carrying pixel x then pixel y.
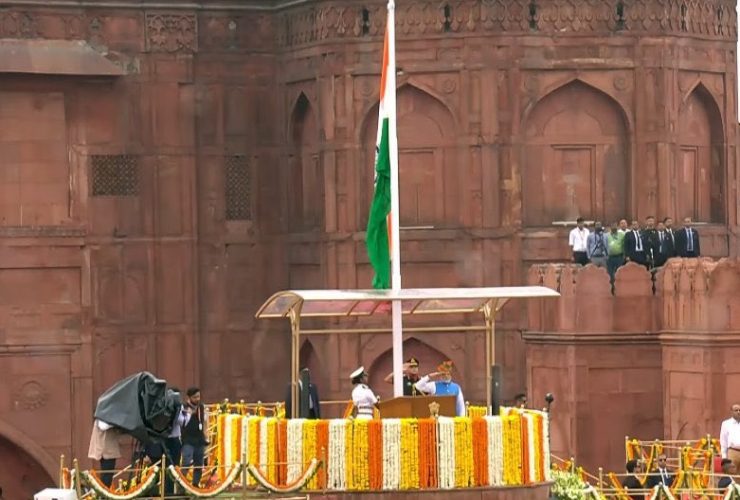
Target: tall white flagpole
{"type": "Point", "coordinates": [395, 233]}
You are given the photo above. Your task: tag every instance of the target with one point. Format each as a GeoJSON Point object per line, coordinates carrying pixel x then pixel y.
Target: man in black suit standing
{"type": "Point", "coordinates": [687, 240]}
{"type": "Point", "coordinates": [635, 247]}
{"type": "Point", "coordinates": [309, 405]}
{"type": "Point", "coordinates": [661, 474]}
{"type": "Point", "coordinates": [664, 249]}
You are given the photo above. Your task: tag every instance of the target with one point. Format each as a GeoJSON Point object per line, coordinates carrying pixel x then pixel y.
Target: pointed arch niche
{"type": "Point", "coordinates": [699, 168]}
{"type": "Point", "coordinates": [309, 358]}
{"type": "Point", "coordinates": [575, 157]}
{"type": "Point", "coordinates": [306, 176]}
{"type": "Point", "coordinates": [428, 175]}
{"type": "Point", "coordinates": [428, 357]}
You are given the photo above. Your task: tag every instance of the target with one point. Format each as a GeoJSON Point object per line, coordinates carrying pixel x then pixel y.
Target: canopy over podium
{"type": "Point", "coordinates": [297, 304]}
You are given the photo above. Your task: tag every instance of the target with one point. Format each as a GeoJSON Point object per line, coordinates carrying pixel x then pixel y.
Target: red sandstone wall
{"type": "Point", "coordinates": [636, 363]}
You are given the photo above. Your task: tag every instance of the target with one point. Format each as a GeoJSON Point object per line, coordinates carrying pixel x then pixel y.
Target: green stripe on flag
{"type": "Point", "coordinates": [377, 226]}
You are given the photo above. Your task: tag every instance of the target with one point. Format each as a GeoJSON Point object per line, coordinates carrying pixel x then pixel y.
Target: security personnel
{"type": "Point", "coordinates": [363, 398]}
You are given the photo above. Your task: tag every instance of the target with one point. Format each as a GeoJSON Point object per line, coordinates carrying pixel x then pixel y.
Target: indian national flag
{"type": "Point", "coordinates": [378, 224]}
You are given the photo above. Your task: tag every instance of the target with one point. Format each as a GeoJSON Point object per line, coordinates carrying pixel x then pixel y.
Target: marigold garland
{"type": "Point", "coordinates": [390, 454]}
{"type": "Point", "coordinates": [229, 479]}
{"type": "Point", "coordinates": [409, 477]}
{"type": "Point", "coordinates": [463, 453]}
{"type": "Point", "coordinates": [428, 472]}
{"type": "Point", "coordinates": [512, 433]}
{"type": "Point", "coordinates": [150, 476]}
{"type": "Point", "coordinates": [375, 454]}
{"type": "Point", "coordinates": [300, 482]}
{"type": "Point", "coordinates": [309, 449]}
{"type": "Point", "coordinates": [480, 452]}
{"type": "Point", "coordinates": [282, 451]}
{"type": "Point", "coordinates": [477, 411]}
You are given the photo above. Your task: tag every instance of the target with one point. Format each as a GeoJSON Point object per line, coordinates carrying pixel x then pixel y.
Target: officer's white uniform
{"type": "Point", "coordinates": [363, 397]}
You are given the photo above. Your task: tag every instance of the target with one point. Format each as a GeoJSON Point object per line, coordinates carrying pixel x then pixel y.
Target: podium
{"type": "Point", "coordinates": [417, 406]}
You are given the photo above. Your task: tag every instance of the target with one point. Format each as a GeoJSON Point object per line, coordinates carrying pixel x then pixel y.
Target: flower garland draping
{"type": "Point", "coordinates": [477, 411]}
{"type": "Point", "coordinates": [463, 453]}
{"type": "Point", "coordinates": [229, 479]}
{"type": "Point", "coordinates": [391, 454]}
{"type": "Point", "coordinates": [391, 470]}
{"type": "Point", "coordinates": [150, 476]}
{"type": "Point", "coordinates": [300, 483]}
{"type": "Point", "coordinates": [336, 470]}
{"type": "Point", "coordinates": [409, 473]}
{"type": "Point", "coordinates": [495, 431]}
{"type": "Point", "coordinates": [295, 449]}
{"type": "Point", "coordinates": [446, 441]}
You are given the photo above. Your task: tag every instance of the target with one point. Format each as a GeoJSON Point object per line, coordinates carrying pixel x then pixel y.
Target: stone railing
{"type": "Point", "coordinates": [686, 295]}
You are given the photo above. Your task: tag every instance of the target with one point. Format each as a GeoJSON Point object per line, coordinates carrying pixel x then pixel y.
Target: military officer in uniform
{"type": "Point", "coordinates": [363, 398]}
{"type": "Point", "coordinates": [410, 377]}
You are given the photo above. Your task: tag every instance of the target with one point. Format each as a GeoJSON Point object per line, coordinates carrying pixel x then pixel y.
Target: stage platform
{"type": "Point", "coordinates": [538, 491]}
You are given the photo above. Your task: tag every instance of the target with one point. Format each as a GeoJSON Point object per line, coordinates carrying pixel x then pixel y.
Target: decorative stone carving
{"type": "Point", "coordinates": [171, 32]}
{"type": "Point", "coordinates": [621, 83]}
{"type": "Point", "coordinates": [31, 396]}
{"type": "Point", "coordinates": [707, 18]}
{"type": "Point", "coordinates": [18, 25]}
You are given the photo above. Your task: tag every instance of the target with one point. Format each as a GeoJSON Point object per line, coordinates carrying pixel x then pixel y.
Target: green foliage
{"type": "Point", "coordinates": [567, 486]}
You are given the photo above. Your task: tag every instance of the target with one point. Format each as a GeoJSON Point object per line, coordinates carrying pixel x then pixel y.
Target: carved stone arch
{"type": "Point", "coordinates": [305, 180]}
{"type": "Point", "coordinates": [17, 442]}
{"type": "Point", "coordinates": [428, 171]}
{"type": "Point", "coordinates": [569, 79]}
{"type": "Point", "coordinates": [310, 358]}
{"type": "Point", "coordinates": [370, 111]}
{"type": "Point", "coordinates": [429, 358]}
{"type": "Point", "coordinates": [699, 189]}
{"type": "Point", "coordinates": [575, 157]}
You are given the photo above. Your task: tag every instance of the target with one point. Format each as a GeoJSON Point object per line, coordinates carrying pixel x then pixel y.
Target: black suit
{"type": "Point", "coordinates": [687, 246]}
{"type": "Point", "coordinates": [632, 483]}
{"type": "Point", "coordinates": [635, 247]}
{"type": "Point", "coordinates": [657, 477]}
{"type": "Point", "coordinates": [314, 404]}
{"type": "Point", "coordinates": [664, 248]}
{"type": "Point", "coordinates": [650, 239]}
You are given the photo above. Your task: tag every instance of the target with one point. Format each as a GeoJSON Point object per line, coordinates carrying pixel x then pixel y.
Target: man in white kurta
{"type": "Point", "coordinates": [729, 437]}
{"type": "Point", "coordinates": [363, 398]}
{"type": "Point", "coordinates": [440, 383]}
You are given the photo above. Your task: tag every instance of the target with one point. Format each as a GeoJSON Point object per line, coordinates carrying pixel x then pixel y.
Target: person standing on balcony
{"type": "Point", "coordinates": [687, 240]}
{"type": "Point", "coordinates": [578, 240]}
{"type": "Point", "coordinates": [194, 439]}
{"type": "Point", "coordinates": [596, 246]}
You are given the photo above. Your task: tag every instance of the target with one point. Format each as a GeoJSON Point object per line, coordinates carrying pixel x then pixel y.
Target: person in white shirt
{"type": "Point", "coordinates": [729, 436]}
{"type": "Point", "coordinates": [578, 241]}
{"type": "Point", "coordinates": [440, 383]}
{"type": "Point", "coordinates": [363, 398]}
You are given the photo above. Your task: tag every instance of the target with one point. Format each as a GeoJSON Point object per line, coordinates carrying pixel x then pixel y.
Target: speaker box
{"type": "Point", "coordinates": [497, 388]}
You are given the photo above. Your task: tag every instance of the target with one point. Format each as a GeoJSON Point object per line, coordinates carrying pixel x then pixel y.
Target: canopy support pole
{"type": "Point", "coordinates": [490, 309]}
{"type": "Point", "coordinates": [295, 352]}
